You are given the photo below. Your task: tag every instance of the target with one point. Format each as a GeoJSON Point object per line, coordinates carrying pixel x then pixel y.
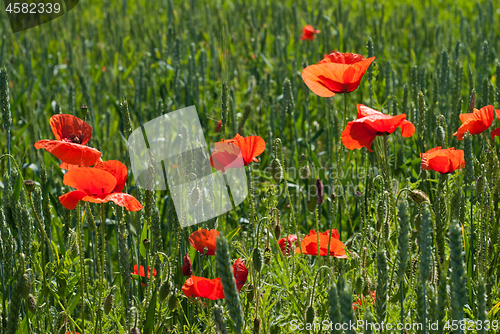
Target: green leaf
{"type": "Point", "coordinates": [144, 235]}
{"type": "Point", "coordinates": [17, 188]}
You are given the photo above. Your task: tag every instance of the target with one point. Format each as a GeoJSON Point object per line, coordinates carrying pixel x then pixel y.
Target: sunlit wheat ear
{"type": "Point", "coordinates": [335, 311]}
{"type": "Point", "coordinates": [482, 299]}
{"type": "Point", "coordinates": [457, 266]}
{"type": "Point", "coordinates": [345, 295]}
{"type": "Point", "coordinates": [220, 323]}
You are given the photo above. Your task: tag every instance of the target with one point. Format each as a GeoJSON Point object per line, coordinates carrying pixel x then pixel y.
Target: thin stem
{"type": "Point", "coordinates": [82, 266]}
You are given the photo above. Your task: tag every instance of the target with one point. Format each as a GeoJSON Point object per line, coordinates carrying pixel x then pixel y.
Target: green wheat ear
{"type": "Point", "coordinates": [228, 284]}
{"type": "Point", "coordinates": [458, 278]}
{"type": "Point", "coordinates": [335, 311]}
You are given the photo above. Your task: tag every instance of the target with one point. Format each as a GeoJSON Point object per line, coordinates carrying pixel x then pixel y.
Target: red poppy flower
{"type": "Point", "coordinates": [203, 287]}
{"type": "Point", "coordinates": [142, 274]}
{"type": "Point", "coordinates": [204, 240]}
{"type": "Point", "coordinates": [100, 184]}
{"type": "Point", "coordinates": [336, 73]}
{"type": "Point", "coordinates": [292, 238]}
{"type": "Point", "coordinates": [225, 156]}
{"type": "Point", "coordinates": [71, 136]}
{"type": "Point", "coordinates": [309, 244]}
{"type": "Point", "coordinates": [240, 273]}
{"type": "Point", "coordinates": [443, 161]}
{"type": "Point", "coordinates": [372, 123]}
{"type": "Point", "coordinates": [249, 147]}
{"type": "Point", "coordinates": [218, 126]}
{"type": "Point", "coordinates": [475, 122]}
{"type": "Point", "coordinates": [362, 301]}
{"type": "Point", "coordinates": [308, 32]}
{"type": "Point", "coordinates": [187, 268]}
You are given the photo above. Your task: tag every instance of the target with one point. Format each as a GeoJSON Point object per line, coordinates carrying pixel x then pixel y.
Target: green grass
{"type": "Point", "coordinates": [165, 55]}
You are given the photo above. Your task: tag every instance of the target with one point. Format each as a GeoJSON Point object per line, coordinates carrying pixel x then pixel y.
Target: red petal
{"type": "Point", "coordinates": [117, 169]}
{"type": "Point", "coordinates": [127, 201]}
{"type": "Point", "coordinates": [74, 154]}
{"type": "Point", "coordinates": [250, 147]}
{"type": "Point", "coordinates": [495, 132]}
{"type": "Point", "coordinates": [67, 127]}
{"type": "Point", "coordinates": [204, 238]}
{"type": "Point", "coordinates": [240, 273]}
{"type": "Point", "coordinates": [93, 181]}
{"type": "Point", "coordinates": [226, 156]}
{"type": "Point", "coordinates": [357, 135]}
{"type": "Point", "coordinates": [71, 199]}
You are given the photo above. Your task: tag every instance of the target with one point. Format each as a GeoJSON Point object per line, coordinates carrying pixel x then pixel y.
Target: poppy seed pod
{"type": "Point", "coordinates": [25, 286]}
{"type": "Point", "coordinates": [320, 192]}
{"type": "Point", "coordinates": [187, 268]}
{"type": "Point", "coordinates": [164, 290]}
{"type": "Point", "coordinates": [31, 304]}
{"type": "Point", "coordinates": [250, 293]}
{"type": "Point", "coordinates": [256, 325]}
{"type": "Point", "coordinates": [257, 260]}
{"type": "Point", "coordinates": [276, 170]}
{"type": "Point", "coordinates": [419, 196]}
{"type": "Point", "coordinates": [310, 315]}
{"type": "Point", "coordinates": [30, 184]}
{"type": "Point", "coordinates": [172, 302]}
{"type": "Point", "coordinates": [108, 303]}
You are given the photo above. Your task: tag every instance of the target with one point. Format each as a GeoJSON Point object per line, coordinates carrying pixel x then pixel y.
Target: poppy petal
{"type": "Point", "coordinates": [202, 239]}
{"type": "Point", "coordinates": [71, 199]}
{"type": "Point", "coordinates": [126, 201]}
{"type": "Point", "coordinates": [407, 129]}
{"type": "Point", "coordinates": [92, 181]}
{"type": "Point", "coordinates": [74, 154]}
{"type": "Point", "coordinates": [356, 135]}
{"type": "Point", "coordinates": [68, 128]}
{"type": "Point", "coordinates": [325, 79]}
{"type": "Point", "coordinates": [475, 122]}
{"type": "Point", "coordinates": [494, 133]}
{"type": "Point", "coordinates": [251, 147]}
{"type": "Point", "coordinates": [117, 169]}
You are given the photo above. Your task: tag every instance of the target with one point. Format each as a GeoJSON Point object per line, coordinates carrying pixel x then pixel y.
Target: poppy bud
{"type": "Point", "coordinates": [276, 170]}
{"type": "Point", "coordinates": [267, 255]}
{"type": "Point", "coordinates": [440, 136]}
{"type": "Point", "coordinates": [257, 260]}
{"type": "Point", "coordinates": [164, 290]}
{"type": "Point", "coordinates": [25, 286]}
{"type": "Point", "coordinates": [419, 196]}
{"type": "Point", "coordinates": [194, 197]}
{"type": "Point", "coordinates": [310, 315]}
{"type": "Point", "coordinates": [217, 127]}
{"type": "Point", "coordinates": [256, 325]}
{"type": "Point", "coordinates": [277, 231]}
{"type": "Point", "coordinates": [187, 268]}
{"type": "Point", "coordinates": [319, 190]}
{"type": "Point", "coordinates": [147, 244]}
{"type": "Point", "coordinates": [108, 303]}
{"type": "Point", "coordinates": [84, 110]}
{"type": "Point", "coordinates": [31, 304]}
{"type": "Point", "coordinates": [172, 302]}
{"type": "Point", "coordinates": [30, 184]}
{"type": "Point", "coordinates": [305, 172]}
{"type": "Point", "coordinates": [311, 204]}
